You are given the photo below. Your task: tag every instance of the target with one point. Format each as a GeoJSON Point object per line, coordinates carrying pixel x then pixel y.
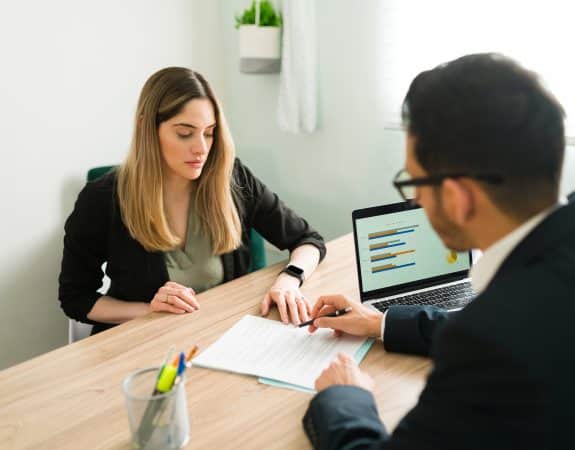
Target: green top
{"type": "Point", "coordinates": [195, 266]}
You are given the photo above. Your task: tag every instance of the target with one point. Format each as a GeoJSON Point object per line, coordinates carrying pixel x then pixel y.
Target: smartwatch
{"type": "Point", "coordinates": [294, 271]}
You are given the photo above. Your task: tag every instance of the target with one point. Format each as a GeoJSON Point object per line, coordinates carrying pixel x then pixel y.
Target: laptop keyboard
{"type": "Point", "coordinates": [447, 297]}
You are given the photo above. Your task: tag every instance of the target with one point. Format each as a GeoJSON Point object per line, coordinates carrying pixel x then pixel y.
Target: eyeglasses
{"type": "Point", "coordinates": [406, 186]}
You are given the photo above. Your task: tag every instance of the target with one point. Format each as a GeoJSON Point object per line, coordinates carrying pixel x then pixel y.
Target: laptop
{"type": "Point", "coordinates": [402, 261]}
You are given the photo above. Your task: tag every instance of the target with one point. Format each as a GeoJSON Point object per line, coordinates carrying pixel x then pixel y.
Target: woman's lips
{"type": "Point", "coordinates": [195, 164]}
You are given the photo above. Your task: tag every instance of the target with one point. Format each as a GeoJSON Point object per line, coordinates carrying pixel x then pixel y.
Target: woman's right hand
{"type": "Point", "coordinates": [174, 298]}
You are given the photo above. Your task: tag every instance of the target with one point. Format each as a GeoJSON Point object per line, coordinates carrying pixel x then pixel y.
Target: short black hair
{"type": "Point", "coordinates": [484, 113]}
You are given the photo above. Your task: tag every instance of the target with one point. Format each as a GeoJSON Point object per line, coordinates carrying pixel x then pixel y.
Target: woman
{"type": "Point", "coordinates": [175, 218]}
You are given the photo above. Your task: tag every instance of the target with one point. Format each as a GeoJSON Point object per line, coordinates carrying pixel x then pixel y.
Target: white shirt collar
{"type": "Point", "coordinates": [485, 269]}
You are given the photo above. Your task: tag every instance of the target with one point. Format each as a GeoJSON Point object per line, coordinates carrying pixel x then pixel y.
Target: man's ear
{"type": "Point", "coordinates": [458, 201]}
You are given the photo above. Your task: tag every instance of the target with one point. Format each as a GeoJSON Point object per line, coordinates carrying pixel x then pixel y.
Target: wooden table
{"type": "Point", "coordinates": [71, 398]}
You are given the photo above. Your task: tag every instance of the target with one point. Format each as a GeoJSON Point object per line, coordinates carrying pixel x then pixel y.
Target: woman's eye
{"type": "Point", "coordinates": [188, 135]}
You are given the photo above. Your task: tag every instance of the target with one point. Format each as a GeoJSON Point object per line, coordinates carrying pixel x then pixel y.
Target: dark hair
{"type": "Point", "coordinates": [485, 114]}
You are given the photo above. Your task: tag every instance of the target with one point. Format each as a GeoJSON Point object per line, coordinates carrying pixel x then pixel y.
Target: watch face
{"type": "Point", "coordinates": [294, 269]}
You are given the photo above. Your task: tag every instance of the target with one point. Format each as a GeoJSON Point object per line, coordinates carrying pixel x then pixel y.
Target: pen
{"type": "Point", "coordinates": [166, 379]}
{"type": "Point", "coordinates": [181, 369]}
{"type": "Point", "coordinates": [185, 363]}
{"type": "Point", "coordinates": [163, 384]}
{"type": "Point", "coordinates": [339, 312]}
{"type": "Point", "coordinates": [166, 362]}
{"type": "Point", "coordinates": [190, 355]}
{"type": "Point", "coordinates": [170, 376]}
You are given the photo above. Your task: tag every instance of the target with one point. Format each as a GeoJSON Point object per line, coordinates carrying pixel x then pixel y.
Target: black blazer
{"type": "Point", "coordinates": [95, 233]}
{"type": "Point", "coordinates": [503, 367]}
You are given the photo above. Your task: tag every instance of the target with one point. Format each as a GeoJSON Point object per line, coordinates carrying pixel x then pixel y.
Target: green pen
{"type": "Point", "coordinates": [166, 379]}
{"type": "Point", "coordinates": [171, 351]}
{"type": "Point", "coordinates": [146, 425]}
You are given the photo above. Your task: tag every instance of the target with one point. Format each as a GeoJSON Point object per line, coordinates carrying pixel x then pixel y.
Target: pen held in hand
{"type": "Point", "coordinates": [339, 312]}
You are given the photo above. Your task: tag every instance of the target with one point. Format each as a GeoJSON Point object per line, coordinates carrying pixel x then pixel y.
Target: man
{"type": "Point", "coordinates": [483, 157]}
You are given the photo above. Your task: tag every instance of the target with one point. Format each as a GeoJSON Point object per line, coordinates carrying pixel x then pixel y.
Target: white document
{"type": "Point", "coordinates": [271, 349]}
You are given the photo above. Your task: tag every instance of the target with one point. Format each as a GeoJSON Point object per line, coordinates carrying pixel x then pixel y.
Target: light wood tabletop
{"type": "Point", "coordinates": [71, 398]}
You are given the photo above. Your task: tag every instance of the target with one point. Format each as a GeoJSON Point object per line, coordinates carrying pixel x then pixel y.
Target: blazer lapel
{"type": "Point", "coordinates": [554, 231]}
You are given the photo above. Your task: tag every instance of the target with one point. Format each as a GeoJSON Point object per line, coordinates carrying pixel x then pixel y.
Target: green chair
{"type": "Point", "coordinates": [258, 251]}
{"type": "Point", "coordinates": [96, 172]}
{"type": "Point", "coordinates": [257, 247]}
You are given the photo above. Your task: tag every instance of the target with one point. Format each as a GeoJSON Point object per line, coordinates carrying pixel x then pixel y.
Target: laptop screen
{"type": "Point", "coordinates": [397, 250]}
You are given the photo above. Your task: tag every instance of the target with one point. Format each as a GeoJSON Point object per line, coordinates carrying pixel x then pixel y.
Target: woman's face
{"type": "Point", "coordinates": [186, 139]}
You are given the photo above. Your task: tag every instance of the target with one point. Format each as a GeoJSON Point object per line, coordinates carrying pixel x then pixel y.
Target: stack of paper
{"type": "Point", "coordinates": [278, 352]}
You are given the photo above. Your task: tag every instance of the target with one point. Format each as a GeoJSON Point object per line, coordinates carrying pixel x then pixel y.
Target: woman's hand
{"type": "Point", "coordinates": [174, 298]}
{"type": "Point", "coordinates": [290, 301]}
{"type": "Point", "coordinates": [343, 371]}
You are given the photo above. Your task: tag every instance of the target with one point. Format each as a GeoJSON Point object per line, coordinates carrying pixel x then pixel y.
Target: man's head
{"type": "Point", "coordinates": [482, 116]}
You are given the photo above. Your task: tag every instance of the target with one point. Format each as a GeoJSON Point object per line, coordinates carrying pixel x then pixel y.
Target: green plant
{"type": "Point", "coordinates": [268, 15]}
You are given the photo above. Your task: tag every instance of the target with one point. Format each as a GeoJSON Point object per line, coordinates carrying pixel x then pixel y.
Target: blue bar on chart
{"type": "Point", "coordinates": [387, 244]}
{"type": "Point", "coordinates": [392, 232]}
{"type": "Point", "coordinates": [390, 267]}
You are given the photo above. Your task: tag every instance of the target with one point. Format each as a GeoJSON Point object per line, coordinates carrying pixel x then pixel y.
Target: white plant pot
{"type": "Point", "coordinates": [260, 49]}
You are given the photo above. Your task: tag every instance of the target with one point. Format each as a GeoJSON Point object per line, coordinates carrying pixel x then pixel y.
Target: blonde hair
{"type": "Point", "coordinates": [140, 178]}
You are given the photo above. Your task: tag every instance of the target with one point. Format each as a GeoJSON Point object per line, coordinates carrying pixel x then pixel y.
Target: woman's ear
{"type": "Point", "coordinates": [457, 200]}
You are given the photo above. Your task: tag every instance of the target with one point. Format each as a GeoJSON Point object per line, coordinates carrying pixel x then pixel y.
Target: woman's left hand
{"type": "Point", "coordinates": [289, 299]}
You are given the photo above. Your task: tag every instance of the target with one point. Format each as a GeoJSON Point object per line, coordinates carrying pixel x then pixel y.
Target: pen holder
{"type": "Point", "coordinates": [156, 421]}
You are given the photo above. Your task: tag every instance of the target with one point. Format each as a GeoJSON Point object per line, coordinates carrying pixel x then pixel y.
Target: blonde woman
{"type": "Point", "coordinates": [175, 218]}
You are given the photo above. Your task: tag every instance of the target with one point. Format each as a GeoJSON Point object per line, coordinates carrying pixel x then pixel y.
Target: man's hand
{"type": "Point", "coordinates": [360, 321]}
{"type": "Point", "coordinates": [343, 371]}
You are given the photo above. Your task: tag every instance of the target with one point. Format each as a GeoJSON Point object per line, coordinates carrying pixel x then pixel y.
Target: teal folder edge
{"type": "Point", "coordinates": [359, 355]}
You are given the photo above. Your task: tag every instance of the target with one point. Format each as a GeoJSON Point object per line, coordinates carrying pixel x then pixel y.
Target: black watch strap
{"type": "Point", "coordinates": [294, 271]}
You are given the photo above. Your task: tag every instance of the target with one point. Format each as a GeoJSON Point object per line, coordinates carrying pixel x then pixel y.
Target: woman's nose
{"type": "Point", "coordinates": [200, 145]}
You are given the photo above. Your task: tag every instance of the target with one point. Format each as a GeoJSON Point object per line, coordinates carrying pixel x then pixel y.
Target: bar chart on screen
{"type": "Point", "coordinates": [382, 258]}
{"type": "Point", "coordinates": [400, 248]}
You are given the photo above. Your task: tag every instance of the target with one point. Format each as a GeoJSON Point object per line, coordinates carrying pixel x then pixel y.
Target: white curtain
{"type": "Point", "coordinates": [297, 103]}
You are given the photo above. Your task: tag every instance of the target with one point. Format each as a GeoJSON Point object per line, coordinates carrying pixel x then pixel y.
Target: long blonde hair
{"type": "Point", "coordinates": [140, 178]}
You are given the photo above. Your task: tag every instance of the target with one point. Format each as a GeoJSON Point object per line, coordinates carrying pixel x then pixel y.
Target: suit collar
{"type": "Point", "coordinates": [485, 269]}
{"type": "Point", "coordinates": [553, 232]}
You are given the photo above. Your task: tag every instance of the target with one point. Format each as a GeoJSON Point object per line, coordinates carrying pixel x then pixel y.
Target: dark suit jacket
{"type": "Point", "coordinates": [503, 374]}
{"type": "Point", "coordinates": [95, 233]}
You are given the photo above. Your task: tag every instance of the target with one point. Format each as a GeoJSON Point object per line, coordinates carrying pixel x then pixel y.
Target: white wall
{"type": "Point", "coordinates": [350, 161]}
{"type": "Point", "coordinates": [71, 73]}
